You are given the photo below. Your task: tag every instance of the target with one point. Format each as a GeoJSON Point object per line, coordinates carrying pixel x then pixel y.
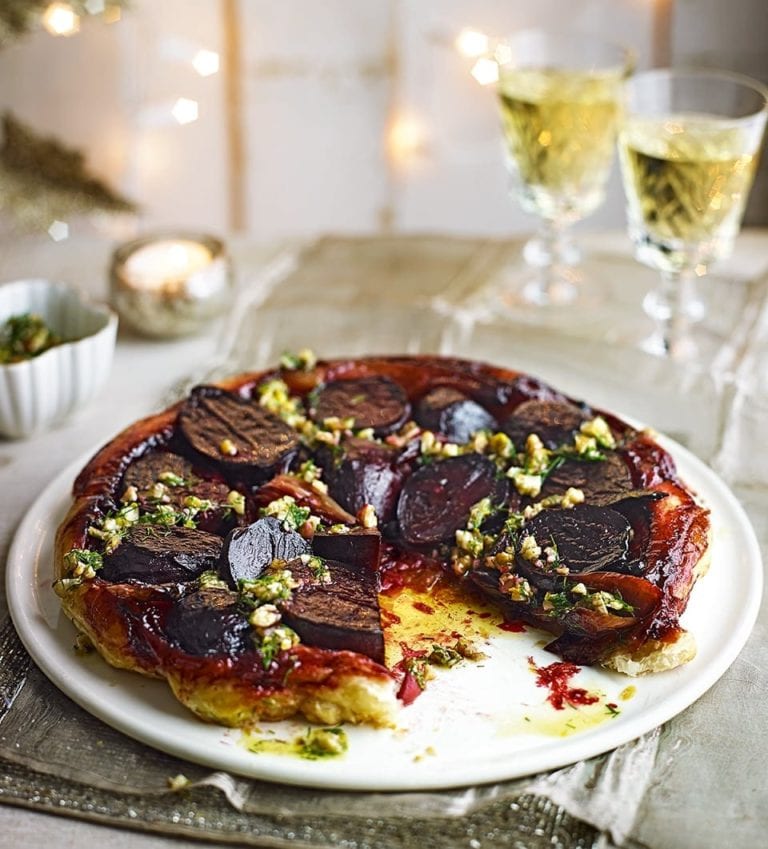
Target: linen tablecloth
{"type": "Point", "coordinates": [426, 294]}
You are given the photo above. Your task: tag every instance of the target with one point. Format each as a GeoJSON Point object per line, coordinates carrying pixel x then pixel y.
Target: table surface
{"type": "Point", "coordinates": [143, 372]}
{"type": "Point", "coordinates": [142, 375]}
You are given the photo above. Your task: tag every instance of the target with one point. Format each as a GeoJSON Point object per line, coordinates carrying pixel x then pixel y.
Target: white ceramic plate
{"type": "Point", "coordinates": [478, 722]}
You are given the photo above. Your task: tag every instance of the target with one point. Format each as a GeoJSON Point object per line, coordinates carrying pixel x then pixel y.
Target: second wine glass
{"type": "Point", "coordinates": [559, 96]}
{"type": "Point", "coordinates": [689, 146]}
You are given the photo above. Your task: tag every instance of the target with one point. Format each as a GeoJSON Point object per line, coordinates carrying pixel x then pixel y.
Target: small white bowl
{"type": "Point", "coordinates": [39, 392]}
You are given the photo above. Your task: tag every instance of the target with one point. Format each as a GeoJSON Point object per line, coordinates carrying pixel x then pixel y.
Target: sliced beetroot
{"type": "Point", "coordinates": [237, 434]}
{"type": "Point", "coordinates": [642, 595]}
{"type": "Point", "coordinates": [248, 551]}
{"type": "Point", "coordinates": [436, 499]}
{"type": "Point", "coordinates": [555, 422]}
{"type": "Point", "coordinates": [364, 472]}
{"type": "Point", "coordinates": [305, 495]}
{"type": "Point", "coordinates": [145, 472]}
{"type": "Point", "coordinates": [650, 464]}
{"type": "Point", "coordinates": [376, 402]}
{"type": "Point", "coordinates": [151, 468]}
{"type": "Point", "coordinates": [590, 635]}
{"type": "Point", "coordinates": [486, 578]}
{"type": "Point", "coordinates": [601, 481]}
{"type": "Point", "coordinates": [160, 555]}
{"type": "Point", "coordinates": [586, 538]}
{"type": "Point", "coordinates": [207, 623]}
{"type": "Point", "coordinates": [635, 506]}
{"type": "Point", "coordinates": [449, 412]}
{"type": "Point", "coordinates": [524, 387]}
{"type": "Point", "coordinates": [339, 613]}
{"type": "Point", "coordinates": [359, 548]}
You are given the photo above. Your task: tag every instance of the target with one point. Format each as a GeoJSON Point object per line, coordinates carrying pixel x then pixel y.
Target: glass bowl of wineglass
{"type": "Point", "coordinates": [688, 147]}
{"type": "Point", "coordinates": [560, 99]}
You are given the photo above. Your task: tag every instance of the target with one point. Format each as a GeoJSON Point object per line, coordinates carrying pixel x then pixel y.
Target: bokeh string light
{"type": "Point", "coordinates": [206, 62]}
{"type": "Point", "coordinates": [406, 136]}
{"type": "Point", "coordinates": [472, 43]}
{"type": "Point", "coordinates": [185, 110]}
{"type": "Point", "coordinates": [406, 140]}
{"type": "Point", "coordinates": [63, 19]}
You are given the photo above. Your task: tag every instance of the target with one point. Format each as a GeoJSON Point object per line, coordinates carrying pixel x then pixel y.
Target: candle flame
{"type": "Point", "coordinates": [61, 19]}
{"type": "Point", "coordinates": [165, 263]}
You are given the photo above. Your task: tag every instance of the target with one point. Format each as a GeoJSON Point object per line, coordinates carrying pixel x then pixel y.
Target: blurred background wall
{"type": "Point", "coordinates": [286, 118]}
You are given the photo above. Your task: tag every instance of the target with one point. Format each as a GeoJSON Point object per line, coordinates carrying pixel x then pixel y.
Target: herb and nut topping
{"type": "Point", "coordinates": [25, 336]}
{"type": "Point", "coordinates": [112, 527]}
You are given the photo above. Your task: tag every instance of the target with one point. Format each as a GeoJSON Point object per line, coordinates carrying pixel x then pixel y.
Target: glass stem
{"type": "Point", "coordinates": [552, 255]}
{"type": "Point", "coordinates": [677, 292]}
{"type": "Point", "coordinates": [550, 237]}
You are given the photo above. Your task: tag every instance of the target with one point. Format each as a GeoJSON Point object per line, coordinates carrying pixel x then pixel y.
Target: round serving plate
{"type": "Point", "coordinates": [477, 722]}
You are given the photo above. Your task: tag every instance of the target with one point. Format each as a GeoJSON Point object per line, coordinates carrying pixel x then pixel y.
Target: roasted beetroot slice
{"type": "Point", "coordinates": [145, 472]}
{"type": "Point", "coordinates": [208, 623]}
{"type": "Point", "coordinates": [635, 506]}
{"type": "Point", "coordinates": [248, 551]}
{"type": "Point", "coordinates": [160, 555]}
{"type": "Point", "coordinates": [601, 481]}
{"type": "Point", "coordinates": [450, 413]}
{"type": "Point", "coordinates": [376, 402]}
{"type": "Point", "coordinates": [527, 387]}
{"type": "Point", "coordinates": [436, 500]}
{"type": "Point", "coordinates": [578, 646]}
{"type": "Point", "coordinates": [586, 538]}
{"type": "Point", "coordinates": [305, 495]}
{"type": "Point", "coordinates": [359, 548]}
{"type": "Point", "coordinates": [486, 578]}
{"type": "Point", "coordinates": [341, 614]}
{"type": "Point", "coordinates": [237, 434]}
{"type": "Point", "coordinates": [366, 472]}
{"type": "Point", "coordinates": [588, 635]}
{"type": "Point", "coordinates": [555, 422]}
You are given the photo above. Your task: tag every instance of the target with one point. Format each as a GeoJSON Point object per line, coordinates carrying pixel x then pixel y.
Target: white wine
{"type": "Point", "coordinates": [559, 127]}
{"type": "Point", "coordinates": [687, 178]}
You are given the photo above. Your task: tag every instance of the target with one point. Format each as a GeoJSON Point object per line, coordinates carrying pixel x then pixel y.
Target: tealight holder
{"type": "Point", "coordinates": [169, 285]}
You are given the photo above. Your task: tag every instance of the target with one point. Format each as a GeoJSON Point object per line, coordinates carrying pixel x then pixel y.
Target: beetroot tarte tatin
{"type": "Point", "coordinates": [236, 543]}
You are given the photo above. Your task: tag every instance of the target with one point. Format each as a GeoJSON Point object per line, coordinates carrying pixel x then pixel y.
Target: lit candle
{"type": "Point", "coordinates": [165, 264]}
{"type": "Point", "coordinates": [169, 286]}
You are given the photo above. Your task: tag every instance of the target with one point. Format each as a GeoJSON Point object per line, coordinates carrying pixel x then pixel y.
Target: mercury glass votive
{"type": "Point", "coordinates": [171, 284]}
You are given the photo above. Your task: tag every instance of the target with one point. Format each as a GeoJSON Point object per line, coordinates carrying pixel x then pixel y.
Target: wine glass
{"type": "Point", "coordinates": [688, 148]}
{"type": "Point", "coordinates": [559, 96]}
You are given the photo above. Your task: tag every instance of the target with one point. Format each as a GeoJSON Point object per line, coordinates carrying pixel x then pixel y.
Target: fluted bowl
{"type": "Point", "coordinates": [39, 392]}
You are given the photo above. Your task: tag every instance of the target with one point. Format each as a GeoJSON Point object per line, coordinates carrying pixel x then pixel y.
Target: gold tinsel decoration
{"type": "Point", "coordinates": [19, 17]}
{"type": "Point", "coordinates": [41, 180]}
